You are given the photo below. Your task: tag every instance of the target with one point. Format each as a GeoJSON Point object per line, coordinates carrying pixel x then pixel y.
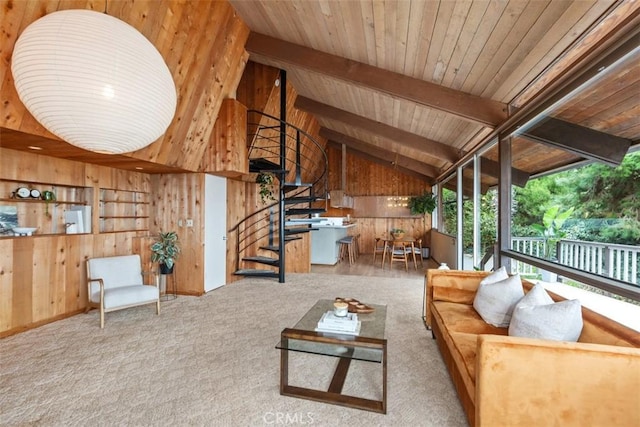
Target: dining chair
{"type": "Point", "coordinates": [415, 250]}
{"type": "Point", "coordinates": [378, 248]}
{"type": "Point", "coordinates": [398, 254]}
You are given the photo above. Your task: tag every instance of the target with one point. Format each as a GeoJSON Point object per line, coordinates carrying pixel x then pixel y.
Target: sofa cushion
{"type": "Point", "coordinates": [463, 353]}
{"type": "Point", "coordinates": [560, 321]}
{"type": "Point", "coordinates": [495, 301]}
{"type": "Point", "coordinates": [496, 276]}
{"type": "Point", "coordinates": [463, 318]}
{"type": "Point", "coordinates": [123, 296]}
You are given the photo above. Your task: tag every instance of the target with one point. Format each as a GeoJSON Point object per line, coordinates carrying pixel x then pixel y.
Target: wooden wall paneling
{"type": "Point", "coordinates": [22, 292]}
{"type": "Point", "coordinates": [141, 245]}
{"type": "Point", "coordinates": [75, 290]}
{"type": "Point", "coordinates": [365, 178]}
{"type": "Point", "coordinates": [7, 294]}
{"type": "Point", "coordinates": [257, 86]}
{"type": "Point", "coordinates": [45, 276]}
{"type": "Point", "coordinates": [206, 94]}
{"type": "Point", "coordinates": [175, 197]}
{"type": "Point", "coordinates": [226, 154]}
{"type": "Point", "coordinates": [256, 89]}
{"type": "Point", "coordinates": [298, 255]}
{"type": "Point", "coordinates": [203, 83]}
{"type": "Point", "coordinates": [236, 201]}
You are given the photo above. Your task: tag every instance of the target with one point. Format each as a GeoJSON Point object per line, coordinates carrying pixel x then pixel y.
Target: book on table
{"type": "Point", "coordinates": [348, 324]}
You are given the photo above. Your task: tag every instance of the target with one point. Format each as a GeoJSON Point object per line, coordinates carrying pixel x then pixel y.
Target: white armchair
{"type": "Point", "coordinates": [117, 282]}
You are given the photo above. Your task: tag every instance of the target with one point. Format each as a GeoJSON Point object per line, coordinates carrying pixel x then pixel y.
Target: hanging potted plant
{"type": "Point", "coordinates": [423, 205]}
{"type": "Point", "coordinates": [165, 250]}
{"type": "Point", "coordinates": [265, 181]}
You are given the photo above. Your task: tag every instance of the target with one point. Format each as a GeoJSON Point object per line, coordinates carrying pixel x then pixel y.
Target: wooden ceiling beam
{"type": "Point", "coordinates": [382, 161]}
{"type": "Point", "coordinates": [429, 147]}
{"type": "Point", "coordinates": [432, 148]}
{"type": "Point", "coordinates": [467, 187]}
{"type": "Point", "coordinates": [485, 111]}
{"type": "Point", "coordinates": [389, 156]}
{"type": "Point", "coordinates": [492, 168]}
{"type": "Point", "coordinates": [589, 143]}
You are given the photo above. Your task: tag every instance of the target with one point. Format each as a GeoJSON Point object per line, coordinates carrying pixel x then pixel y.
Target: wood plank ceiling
{"type": "Point", "coordinates": [429, 80]}
{"type": "Point", "coordinates": [420, 82]}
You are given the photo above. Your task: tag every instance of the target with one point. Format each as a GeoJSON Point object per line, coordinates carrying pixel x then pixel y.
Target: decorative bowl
{"type": "Point", "coordinates": [23, 231]}
{"type": "Point", "coordinates": [397, 235]}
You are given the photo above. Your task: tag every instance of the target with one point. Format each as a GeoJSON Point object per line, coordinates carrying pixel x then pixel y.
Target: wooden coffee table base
{"type": "Point", "coordinates": [334, 394]}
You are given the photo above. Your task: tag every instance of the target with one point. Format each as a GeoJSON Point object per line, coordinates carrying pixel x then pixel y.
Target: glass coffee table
{"type": "Point", "coordinates": [370, 346]}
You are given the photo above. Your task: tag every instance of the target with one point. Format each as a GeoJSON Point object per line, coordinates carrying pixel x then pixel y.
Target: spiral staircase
{"type": "Point", "coordinates": [299, 166]}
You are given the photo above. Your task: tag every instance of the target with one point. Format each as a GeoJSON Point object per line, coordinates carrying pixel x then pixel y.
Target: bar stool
{"type": "Point", "coordinates": [346, 249]}
{"type": "Point", "coordinates": [356, 246]}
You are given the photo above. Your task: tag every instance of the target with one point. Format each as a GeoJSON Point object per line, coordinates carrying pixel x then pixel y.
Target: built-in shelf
{"type": "Point", "coordinates": [27, 200]}
{"type": "Point", "coordinates": [122, 210]}
{"type": "Point", "coordinates": [47, 215]}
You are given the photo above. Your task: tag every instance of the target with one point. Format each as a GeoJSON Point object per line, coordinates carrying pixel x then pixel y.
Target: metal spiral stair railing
{"type": "Point", "coordinates": [302, 192]}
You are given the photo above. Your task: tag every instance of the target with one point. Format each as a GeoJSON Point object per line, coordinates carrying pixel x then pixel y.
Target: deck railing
{"type": "Point", "coordinates": [619, 262]}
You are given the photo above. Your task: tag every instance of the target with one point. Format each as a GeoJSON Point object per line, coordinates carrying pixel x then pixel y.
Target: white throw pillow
{"type": "Point", "coordinates": [536, 296]}
{"type": "Point", "coordinates": [495, 302]}
{"type": "Point", "coordinates": [496, 276]}
{"type": "Point", "coordinates": [560, 321]}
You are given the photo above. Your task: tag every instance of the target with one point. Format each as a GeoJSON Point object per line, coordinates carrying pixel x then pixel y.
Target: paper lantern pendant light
{"type": "Point", "coordinates": [94, 81]}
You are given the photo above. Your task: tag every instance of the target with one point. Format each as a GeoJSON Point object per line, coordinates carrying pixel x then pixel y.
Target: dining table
{"type": "Point", "coordinates": [391, 245]}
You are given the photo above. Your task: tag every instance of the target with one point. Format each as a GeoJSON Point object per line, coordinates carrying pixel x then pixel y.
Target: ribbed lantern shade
{"type": "Point", "coordinates": [93, 81]}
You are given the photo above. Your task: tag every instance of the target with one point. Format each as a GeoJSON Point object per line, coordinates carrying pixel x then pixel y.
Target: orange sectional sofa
{"type": "Point", "coordinates": [514, 381]}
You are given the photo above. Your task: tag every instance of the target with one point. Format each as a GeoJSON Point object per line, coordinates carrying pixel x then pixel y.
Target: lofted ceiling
{"type": "Point", "coordinates": [420, 83]}
{"type": "Point", "coordinates": [413, 83]}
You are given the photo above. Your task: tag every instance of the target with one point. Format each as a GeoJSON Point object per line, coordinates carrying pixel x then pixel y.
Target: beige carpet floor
{"type": "Point", "coordinates": [212, 361]}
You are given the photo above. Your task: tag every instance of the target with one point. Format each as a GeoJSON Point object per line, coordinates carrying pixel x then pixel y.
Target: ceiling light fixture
{"type": "Point", "coordinates": [94, 81]}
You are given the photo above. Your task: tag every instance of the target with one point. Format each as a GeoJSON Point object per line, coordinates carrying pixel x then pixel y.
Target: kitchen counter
{"type": "Point", "coordinates": [324, 246]}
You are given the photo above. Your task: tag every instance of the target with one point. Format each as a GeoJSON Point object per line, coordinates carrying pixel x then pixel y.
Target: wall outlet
{"type": "Point", "coordinates": [189, 222]}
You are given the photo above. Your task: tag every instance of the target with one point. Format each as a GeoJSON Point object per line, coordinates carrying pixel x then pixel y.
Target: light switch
{"type": "Point", "coordinates": [180, 223]}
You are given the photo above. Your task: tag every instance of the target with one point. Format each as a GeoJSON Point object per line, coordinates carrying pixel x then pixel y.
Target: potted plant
{"type": "Point", "coordinates": [165, 250]}
{"type": "Point", "coordinates": [265, 181]}
{"type": "Point", "coordinates": [397, 233]}
{"type": "Point", "coordinates": [423, 205]}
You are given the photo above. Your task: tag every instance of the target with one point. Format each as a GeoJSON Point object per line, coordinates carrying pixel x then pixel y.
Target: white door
{"type": "Point", "coordinates": [215, 232]}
